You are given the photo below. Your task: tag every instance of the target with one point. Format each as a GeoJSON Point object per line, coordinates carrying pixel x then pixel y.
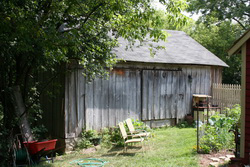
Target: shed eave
{"type": "Point", "coordinates": [237, 45]}
{"type": "Point", "coordinates": [155, 62]}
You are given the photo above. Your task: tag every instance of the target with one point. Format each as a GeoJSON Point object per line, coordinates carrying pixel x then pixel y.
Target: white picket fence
{"type": "Point", "coordinates": [225, 95]}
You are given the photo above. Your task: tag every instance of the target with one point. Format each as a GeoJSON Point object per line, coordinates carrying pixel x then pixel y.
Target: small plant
{"type": "Point", "coordinates": [88, 138]}
{"type": "Point", "coordinates": [106, 137]}
{"type": "Point", "coordinates": [217, 135]}
{"type": "Point", "coordinates": [139, 125]}
{"type": "Point", "coordinates": [112, 136]}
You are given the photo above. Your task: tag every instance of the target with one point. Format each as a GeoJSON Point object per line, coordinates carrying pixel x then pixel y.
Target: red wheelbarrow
{"type": "Point", "coordinates": [40, 149]}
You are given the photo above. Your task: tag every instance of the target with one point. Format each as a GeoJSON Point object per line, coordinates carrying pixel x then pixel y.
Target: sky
{"type": "Point", "coordinates": [156, 4]}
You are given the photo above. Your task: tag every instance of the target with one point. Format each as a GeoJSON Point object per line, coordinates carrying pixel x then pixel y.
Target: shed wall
{"type": "Point", "coordinates": [52, 104]}
{"type": "Point", "coordinates": [144, 92]}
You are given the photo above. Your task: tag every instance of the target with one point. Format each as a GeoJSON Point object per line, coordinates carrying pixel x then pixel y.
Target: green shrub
{"type": "Point", "coordinates": [139, 125]}
{"type": "Point", "coordinates": [88, 139]}
{"type": "Point", "coordinates": [112, 136]}
{"type": "Point", "coordinates": [209, 142]}
{"type": "Point", "coordinates": [218, 134]}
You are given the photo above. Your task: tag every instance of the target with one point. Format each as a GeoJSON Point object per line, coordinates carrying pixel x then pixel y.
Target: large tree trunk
{"type": "Point", "coordinates": [21, 113]}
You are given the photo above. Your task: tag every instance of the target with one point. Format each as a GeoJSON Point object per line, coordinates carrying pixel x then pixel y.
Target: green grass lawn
{"type": "Point", "coordinates": [171, 147]}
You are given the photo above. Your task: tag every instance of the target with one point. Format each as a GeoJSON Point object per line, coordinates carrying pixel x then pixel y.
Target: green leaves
{"type": "Point", "coordinates": [236, 10]}
{"type": "Point", "coordinates": [219, 134]}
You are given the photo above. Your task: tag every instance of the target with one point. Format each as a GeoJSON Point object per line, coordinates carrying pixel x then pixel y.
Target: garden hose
{"type": "Point", "coordinates": [21, 155]}
{"type": "Point", "coordinates": [81, 162]}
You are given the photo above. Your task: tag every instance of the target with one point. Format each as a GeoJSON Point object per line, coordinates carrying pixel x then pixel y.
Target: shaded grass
{"type": "Point", "coordinates": [171, 147]}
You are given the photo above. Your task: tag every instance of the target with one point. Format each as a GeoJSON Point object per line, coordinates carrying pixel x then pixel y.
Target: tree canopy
{"type": "Point", "coordinates": [237, 10]}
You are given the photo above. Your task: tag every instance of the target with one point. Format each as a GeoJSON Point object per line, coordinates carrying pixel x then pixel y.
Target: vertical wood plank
{"type": "Point", "coordinates": [181, 111]}
{"type": "Point", "coordinates": [150, 96]}
{"type": "Point", "coordinates": [169, 94]}
{"type": "Point", "coordinates": [132, 96]}
{"type": "Point", "coordinates": [89, 101]}
{"type": "Point", "coordinates": [119, 92]}
{"type": "Point", "coordinates": [66, 110]}
{"type": "Point", "coordinates": [125, 95]}
{"type": "Point", "coordinates": [144, 94]}
{"type": "Point", "coordinates": [189, 95]}
{"type": "Point", "coordinates": [138, 111]}
{"type": "Point", "coordinates": [105, 103]}
{"type": "Point", "coordinates": [194, 81]}
{"type": "Point", "coordinates": [156, 95]}
{"type": "Point", "coordinates": [72, 111]}
{"type": "Point", "coordinates": [162, 86]}
{"type": "Point", "coordinates": [112, 99]}
{"type": "Point", "coordinates": [81, 102]}
{"type": "Point", "coordinates": [198, 81]}
{"type": "Point", "coordinates": [174, 89]}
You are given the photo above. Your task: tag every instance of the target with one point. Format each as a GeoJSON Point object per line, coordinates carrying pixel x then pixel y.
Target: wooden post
{"type": "Point", "coordinates": [198, 140]}
{"type": "Point", "coordinates": [207, 108]}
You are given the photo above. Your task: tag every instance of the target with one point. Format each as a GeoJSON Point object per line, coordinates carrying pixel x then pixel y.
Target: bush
{"type": "Point", "coordinates": [112, 136]}
{"type": "Point", "coordinates": [88, 139]}
{"type": "Point", "coordinates": [218, 134]}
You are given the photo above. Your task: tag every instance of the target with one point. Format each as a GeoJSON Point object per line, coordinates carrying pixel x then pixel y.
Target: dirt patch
{"type": "Point", "coordinates": [204, 159]}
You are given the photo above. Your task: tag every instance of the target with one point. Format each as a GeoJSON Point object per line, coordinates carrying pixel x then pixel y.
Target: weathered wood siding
{"type": "Point", "coordinates": [74, 103]}
{"type": "Point", "coordinates": [168, 94]}
{"type": "Point", "coordinates": [110, 101]}
{"type": "Point", "coordinates": [144, 92]}
{"type": "Point", "coordinates": [216, 74]}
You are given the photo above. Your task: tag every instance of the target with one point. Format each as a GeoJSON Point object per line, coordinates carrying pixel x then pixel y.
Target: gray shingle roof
{"type": "Point", "coordinates": [179, 49]}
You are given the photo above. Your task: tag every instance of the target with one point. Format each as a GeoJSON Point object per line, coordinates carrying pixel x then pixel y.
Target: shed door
{"type": "Point", "coordinates": [162, 94]}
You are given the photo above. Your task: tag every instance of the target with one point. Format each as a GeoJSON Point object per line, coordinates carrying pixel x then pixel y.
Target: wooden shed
{"type": "Point", "coordinates": [242, 45]}
{"type": "Point", "coordinates": [155, 89]}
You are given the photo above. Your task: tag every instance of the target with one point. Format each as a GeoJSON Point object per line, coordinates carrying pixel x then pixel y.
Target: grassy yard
{"type": "Point", "coordinates": [172, 147]}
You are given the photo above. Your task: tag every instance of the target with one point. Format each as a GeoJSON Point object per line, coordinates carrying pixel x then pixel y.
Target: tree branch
{"type": "Point", "coordinates": [91, 12]}
{"type": "Point", "coordinates": [247, 14]}
{"type": "Point", "coordinates": [239, 23]}
{"type": "Point", "coordinates": [86, 18]}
